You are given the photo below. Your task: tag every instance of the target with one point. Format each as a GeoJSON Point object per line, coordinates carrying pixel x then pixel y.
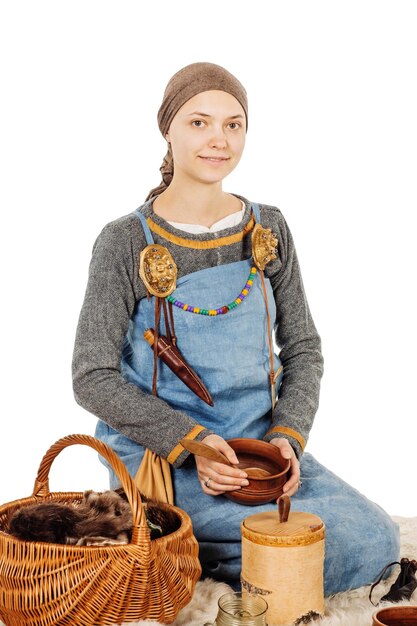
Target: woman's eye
{"type": "Point", "coordinates": [200, 123]}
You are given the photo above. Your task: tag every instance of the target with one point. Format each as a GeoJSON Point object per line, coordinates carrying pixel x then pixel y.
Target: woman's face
{"type": "Point", "coordinates": [207, 136]}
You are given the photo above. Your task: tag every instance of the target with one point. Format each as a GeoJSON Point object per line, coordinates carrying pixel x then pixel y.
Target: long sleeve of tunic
{"type": "Point", "coordinates": [113, 291]}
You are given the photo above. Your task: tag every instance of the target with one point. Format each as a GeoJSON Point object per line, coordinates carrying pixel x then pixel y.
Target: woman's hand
{"type": "Point", "coordinates": [215, 477]}
{"type": "Point", "coordinates": [293, 483]}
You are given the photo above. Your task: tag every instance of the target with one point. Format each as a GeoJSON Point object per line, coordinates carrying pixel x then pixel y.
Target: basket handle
{"type": "Point", "coordinates": [140, 530]}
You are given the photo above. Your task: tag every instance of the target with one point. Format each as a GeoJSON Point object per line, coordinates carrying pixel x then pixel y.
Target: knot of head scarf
{"type": "Point", "coordinates": [186, 83]}
{"type": "Point", "coordinates": [167, 167]}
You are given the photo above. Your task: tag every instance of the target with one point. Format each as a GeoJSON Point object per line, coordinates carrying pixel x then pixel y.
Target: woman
{"type": "Point", "coordinates": [218, 293]}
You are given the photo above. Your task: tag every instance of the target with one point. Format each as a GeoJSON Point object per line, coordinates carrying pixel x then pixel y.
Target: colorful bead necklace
{"type": "Point", "coordinates": [221, 310]}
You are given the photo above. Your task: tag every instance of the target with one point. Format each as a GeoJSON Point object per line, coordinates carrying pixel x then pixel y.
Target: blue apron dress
{"type": "Point", "coordinates": [230, 353]}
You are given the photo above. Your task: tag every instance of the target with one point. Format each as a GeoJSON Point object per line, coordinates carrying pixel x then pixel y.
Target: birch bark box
{"type": "Point", "coordinates": [283, 561]}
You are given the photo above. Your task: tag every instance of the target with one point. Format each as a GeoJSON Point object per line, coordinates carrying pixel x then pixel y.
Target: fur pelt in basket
{"type": "Point", "coordinates": [100, 519]}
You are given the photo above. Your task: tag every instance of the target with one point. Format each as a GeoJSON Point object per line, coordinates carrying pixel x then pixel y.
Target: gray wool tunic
{"type": "Point", "coordinates": [113, 290]}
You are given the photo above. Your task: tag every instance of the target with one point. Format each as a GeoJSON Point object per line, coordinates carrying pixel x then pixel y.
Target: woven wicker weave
{"type": "Point", "coordinates": [43, 583]}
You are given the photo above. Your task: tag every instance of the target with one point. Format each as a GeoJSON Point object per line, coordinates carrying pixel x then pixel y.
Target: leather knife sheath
{"type": "Point", "coordinates": [173, 358]}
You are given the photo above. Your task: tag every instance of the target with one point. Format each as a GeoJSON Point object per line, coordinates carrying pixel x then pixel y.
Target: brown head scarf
{"type": "Point", "coordinates": [186, 83]}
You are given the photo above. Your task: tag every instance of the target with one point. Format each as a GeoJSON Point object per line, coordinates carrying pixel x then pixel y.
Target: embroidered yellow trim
{"type": "Point", "coordinates": [290, 432]}
{"type": "Point", "coordinates": [201, 245]}
{"type": "Point", "coordinates": [175, 452]}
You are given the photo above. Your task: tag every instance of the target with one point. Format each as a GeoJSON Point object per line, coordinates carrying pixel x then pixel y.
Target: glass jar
{"type": "Point", "coordinates": [240, 609]}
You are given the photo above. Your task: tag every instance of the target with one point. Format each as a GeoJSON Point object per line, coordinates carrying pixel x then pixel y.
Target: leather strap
{"type": "Point", "coordinates": [271, 349]}
{"type": "Point", "coordinates": [155, 345]}
{"type": "Point", "coordinates": [168, 330]}
{"type": "Point", "coordinates": [169, 322]}
{"type": "Point", "coordinates": [171, 317]}
{"type": "Point", "coordinates": [380, 578]}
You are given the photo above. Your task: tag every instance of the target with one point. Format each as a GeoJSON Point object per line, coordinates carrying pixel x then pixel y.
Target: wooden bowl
{"type": "Point", "coordinates": [265, 456]}
{"type": "Point", "coordinates": [396, 616]}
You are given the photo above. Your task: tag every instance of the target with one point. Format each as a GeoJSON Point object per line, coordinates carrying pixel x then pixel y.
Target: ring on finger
{"type": "Point", "coordinates": [206, 482]}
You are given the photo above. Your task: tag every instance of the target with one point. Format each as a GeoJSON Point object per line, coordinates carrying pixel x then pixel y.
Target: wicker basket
{"type": "Point", "coordinates": [43, 583]}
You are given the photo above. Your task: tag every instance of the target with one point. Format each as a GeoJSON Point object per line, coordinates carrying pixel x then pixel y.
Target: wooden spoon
{"type": "Point", "coordinates": [202, 449]}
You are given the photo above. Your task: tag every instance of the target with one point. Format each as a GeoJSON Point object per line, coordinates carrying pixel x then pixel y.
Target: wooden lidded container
{"type": "Point", "coordinates": [283, 561]}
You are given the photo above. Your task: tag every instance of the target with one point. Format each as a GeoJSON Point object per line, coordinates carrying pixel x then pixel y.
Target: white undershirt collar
{"type": "Point", "coordinates": [226, 222]}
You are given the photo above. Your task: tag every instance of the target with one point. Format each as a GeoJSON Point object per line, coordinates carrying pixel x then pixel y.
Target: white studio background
{"type": "Point", "coordinates": [332, 142]}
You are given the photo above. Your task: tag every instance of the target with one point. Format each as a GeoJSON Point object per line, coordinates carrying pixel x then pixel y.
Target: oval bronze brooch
{"type": "Point", "coordinates": [264, 246]}
{"type": "Point", "coordinates": [158, 270]}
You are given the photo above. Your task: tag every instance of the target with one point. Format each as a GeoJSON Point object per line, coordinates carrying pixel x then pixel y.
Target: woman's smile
{"type": "Point", "coordinates": [216, 160]}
